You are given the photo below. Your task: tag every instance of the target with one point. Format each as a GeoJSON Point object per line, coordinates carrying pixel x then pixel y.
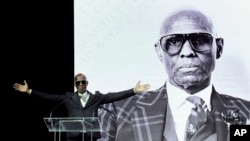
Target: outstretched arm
{"type": "Point", "coordinates": [114, 96]}
{"type": "Point", "coordinates": [141, 87]}
{"type": "Point", "coordinates": [42, 95]}
{"type": "Point", "coordinates": [22, 88]}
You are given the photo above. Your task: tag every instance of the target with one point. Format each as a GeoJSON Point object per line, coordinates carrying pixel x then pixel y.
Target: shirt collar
{"type": "Point", "coordinates": [83, 94]}
{"type": "Point", "coordinates": [178, 97]}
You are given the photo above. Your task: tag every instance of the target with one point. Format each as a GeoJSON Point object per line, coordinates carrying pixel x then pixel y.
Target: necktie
{"type": "Point", "coordinates": [197, 116]}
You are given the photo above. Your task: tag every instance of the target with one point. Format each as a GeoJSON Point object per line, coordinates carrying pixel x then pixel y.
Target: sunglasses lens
{"type": "Point", "coordinates": [201, 41]}
{"type": "Point", "coordinates": [78, 82]}
{"type": "Point", "coordinates": [172, 43]}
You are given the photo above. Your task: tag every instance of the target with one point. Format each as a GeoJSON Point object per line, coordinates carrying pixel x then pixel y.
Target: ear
{"type": "Point", "coordinates": [219, 44]}
{"type": "Point", "coordinates": [158, 51]}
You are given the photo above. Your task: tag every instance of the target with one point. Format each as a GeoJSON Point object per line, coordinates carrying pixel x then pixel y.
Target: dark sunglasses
{"type": "Point", "coordinates": [173, 43]}
{"type": "Point", "coordinates": [82, 81]}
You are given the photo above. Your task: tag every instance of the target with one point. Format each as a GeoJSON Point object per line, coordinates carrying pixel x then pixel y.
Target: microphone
{"type": "Point", "coordinates": [50, 114]}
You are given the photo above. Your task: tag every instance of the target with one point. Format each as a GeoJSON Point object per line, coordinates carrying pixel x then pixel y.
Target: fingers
{"type": "Point", "coordinates": [16, 86]}
{"type": "Point", "coordinates": [141, 87]}
{"type": "Point", "coordinates": [146, 86]}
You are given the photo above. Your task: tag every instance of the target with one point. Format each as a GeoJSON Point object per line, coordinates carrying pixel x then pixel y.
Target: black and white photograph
{"type": "Point", "coordinates": [122, 70]}
{"type": "Point", "coordinates": [192, 53]}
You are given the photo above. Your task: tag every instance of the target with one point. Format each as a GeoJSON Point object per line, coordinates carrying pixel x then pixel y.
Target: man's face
{"type": "Point", "coordinates": [188, 67]}
{"type": "Point", "coordinates": [81, 84]}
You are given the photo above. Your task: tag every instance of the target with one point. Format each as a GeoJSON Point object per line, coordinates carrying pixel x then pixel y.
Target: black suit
{"type": "Point", "coordinates": [75, 109]}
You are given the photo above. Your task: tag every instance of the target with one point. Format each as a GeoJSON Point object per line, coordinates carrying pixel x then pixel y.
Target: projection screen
{"type": "Point", "coordinates": [114, 43]}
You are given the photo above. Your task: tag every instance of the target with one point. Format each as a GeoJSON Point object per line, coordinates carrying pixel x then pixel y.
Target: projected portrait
{"type": "Point", "coordinates": [186, 50]}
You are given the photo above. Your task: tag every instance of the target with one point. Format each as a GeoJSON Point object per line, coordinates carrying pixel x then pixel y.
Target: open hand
{"type": "Point", "coordinates": [20, 87]}
{"type": "Point", "coordinates": [141, 88]}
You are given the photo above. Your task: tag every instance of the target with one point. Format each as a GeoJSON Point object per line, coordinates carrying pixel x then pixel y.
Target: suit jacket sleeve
{"type": "Point", "coordinates": [111, 97]}
{"type": "Point", "coordinates": [47, 96]}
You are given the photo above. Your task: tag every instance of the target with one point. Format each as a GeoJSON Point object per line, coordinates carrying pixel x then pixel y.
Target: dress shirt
{"type": "Point", "coordinates": [84, 98]}
{"type": "Point", "coordinates": [181, 108]}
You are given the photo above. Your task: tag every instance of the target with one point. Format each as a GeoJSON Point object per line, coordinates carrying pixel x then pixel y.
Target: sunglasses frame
{"type": "Point", "coordinates": [81, 81]}
{"type": "Point", "coordinates": [185, 38]}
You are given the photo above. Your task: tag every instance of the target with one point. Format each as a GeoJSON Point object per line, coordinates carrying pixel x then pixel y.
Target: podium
{"type": "Point", "coordinates": [57, 125]}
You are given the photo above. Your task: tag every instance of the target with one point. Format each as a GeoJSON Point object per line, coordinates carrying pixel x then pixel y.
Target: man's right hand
{"type": "Point", "coordinates": [22, 88]}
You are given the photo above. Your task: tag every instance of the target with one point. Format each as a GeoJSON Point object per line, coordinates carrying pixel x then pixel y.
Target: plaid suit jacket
{"type": "Point", "coordinates": [146, 116]}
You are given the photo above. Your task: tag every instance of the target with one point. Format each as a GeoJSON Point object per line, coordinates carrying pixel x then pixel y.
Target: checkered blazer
{"type": "Point", "coordinates": [147, 116]}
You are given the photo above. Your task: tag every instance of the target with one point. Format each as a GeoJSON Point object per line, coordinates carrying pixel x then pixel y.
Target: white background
{"type": "Point", "coordinates": [114, 43]}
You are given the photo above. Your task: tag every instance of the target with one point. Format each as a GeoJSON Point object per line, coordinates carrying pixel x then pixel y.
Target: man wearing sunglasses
{"type": "Point", "coordinates": [188, 47]}
{"type": "Point", "coordinates": [82, 103]}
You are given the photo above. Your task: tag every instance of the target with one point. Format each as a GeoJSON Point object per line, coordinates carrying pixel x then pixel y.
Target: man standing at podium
{"type": "Point", "coordinates": [81, 103]}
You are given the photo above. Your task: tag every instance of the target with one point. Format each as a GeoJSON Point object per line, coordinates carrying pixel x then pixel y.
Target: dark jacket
{"type": "Point", "coordinates": [74, 107]}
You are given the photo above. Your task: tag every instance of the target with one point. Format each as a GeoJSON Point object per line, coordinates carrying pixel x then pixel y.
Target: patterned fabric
{"type": "Point", "coordinates": [143, 118]}
{"type": "Point", "coordinates": [197, 117]}
{"type": "Point", "coordinates": [138, 118]}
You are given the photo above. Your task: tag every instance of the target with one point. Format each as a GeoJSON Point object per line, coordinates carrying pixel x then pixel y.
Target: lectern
{"type": "Point", "coordinates": [57, 125]}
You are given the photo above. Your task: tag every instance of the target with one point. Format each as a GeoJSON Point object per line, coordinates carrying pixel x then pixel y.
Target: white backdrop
{"type": "Point", "coordinates": [114, 42]}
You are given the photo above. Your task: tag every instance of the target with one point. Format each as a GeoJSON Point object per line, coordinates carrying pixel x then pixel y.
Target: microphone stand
{"type": "Point", "coordinates": [62, 102]}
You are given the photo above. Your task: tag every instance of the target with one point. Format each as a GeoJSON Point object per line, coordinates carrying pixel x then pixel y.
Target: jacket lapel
{"type": "Point", "coordinates": [218, 106]}
{"type": "Point", "coordinates": [76, 98]}
{"type": "Point", "coordinates": [89, 102]}
{"type": "Point", "coordinates": [222, 104]}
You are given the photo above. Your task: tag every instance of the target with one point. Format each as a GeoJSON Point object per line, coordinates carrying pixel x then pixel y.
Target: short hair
{"type": "Point", "coordinates": [191, 14]}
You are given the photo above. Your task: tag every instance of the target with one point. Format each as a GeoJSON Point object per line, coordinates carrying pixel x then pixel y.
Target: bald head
{"type": "Point", "coordinates": [186, 16]}
{"type": "Point", "coordinates": [80, 75]}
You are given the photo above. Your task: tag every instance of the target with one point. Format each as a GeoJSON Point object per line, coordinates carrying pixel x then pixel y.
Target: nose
{"type": "Point", "coordinates": [187, 50]}
{"type": "Point", "coordinates": [80, 83]}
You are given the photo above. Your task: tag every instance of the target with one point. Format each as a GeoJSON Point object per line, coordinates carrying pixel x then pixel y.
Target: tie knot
{"type": "Point", "coordinates": [195, 100]}
{"type": "Point", "coordinates": [198, 102]}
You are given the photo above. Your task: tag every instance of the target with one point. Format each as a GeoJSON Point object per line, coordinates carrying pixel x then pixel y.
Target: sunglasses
{"type": "Point", "coordinates": [82, 81]}
{"type": "Point", "coordinates": [173, 43]}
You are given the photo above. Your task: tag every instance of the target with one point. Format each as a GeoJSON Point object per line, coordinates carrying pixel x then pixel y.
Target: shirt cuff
{"type": "Point", "coordinates": [29, 92]}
